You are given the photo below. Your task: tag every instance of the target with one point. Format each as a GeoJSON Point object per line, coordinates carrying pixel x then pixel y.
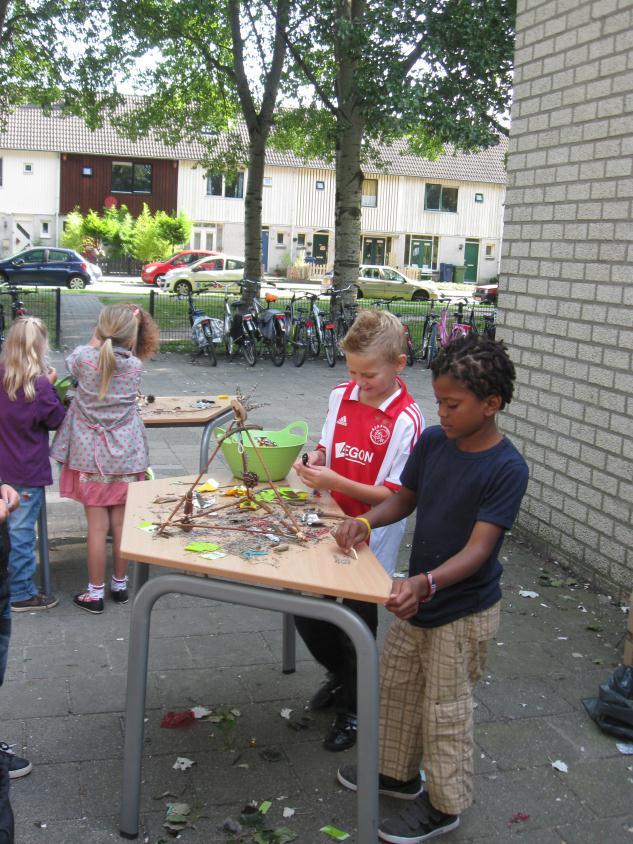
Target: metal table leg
{"type": "Point", "coordinates": [140, 576]}
{"type": "Point", "coordinates": [206, 436]}
{"type": "Point", "coordinates": [288, 648]}
{"type": "Point", "coordinates": [261, 598]}
{"type": "Point", "coordinates": [42, 541]}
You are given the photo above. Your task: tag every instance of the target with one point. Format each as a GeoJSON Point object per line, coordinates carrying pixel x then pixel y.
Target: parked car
{"type": "Point", "coordinates": [154, 273]}
{"type": "Point", "coordinates": [95, 269]}
{"type": "Point", "coordinates": [205, 273]}
{"type": "Point", "coordinates": [486, 293]}
{"type": "Point", "coordinates": [379, 282]}
{"type": "Point", "coordinates": [42, 265]}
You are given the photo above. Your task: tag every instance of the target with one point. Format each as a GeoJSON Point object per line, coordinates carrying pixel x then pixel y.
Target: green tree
{"type": "Point", "coordinates": [72, 235]}
{"type": "Point", "coordinates": [212, 64]}
{"type": "Point", "coordinates": [426, 72]}
{"type": "Point", "coordinates": [147, 245]}
{"type": "Point", "coordinates": [175, 231]}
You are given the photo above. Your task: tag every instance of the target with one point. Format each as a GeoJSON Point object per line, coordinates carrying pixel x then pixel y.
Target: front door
{"type": "Point", "coordinates": [320, 243]}
{"type": "Point", "coordinates": [471, 260]}
{"type": "Point", "coordinates": [374, 250]}
{"type": "Point", "coordinates": [265, 249]}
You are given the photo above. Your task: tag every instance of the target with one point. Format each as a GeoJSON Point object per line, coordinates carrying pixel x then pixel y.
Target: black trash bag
{"type": "Point", "coordinates": [612, 710]}
{"type": "Point", "coordinates": [6, 813]}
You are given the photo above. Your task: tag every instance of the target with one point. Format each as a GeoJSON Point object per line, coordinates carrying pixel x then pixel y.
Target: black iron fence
{"type": "Point", "coordinates": [120, 266]}
{"type": "Point", "coordinates": [42, 302]}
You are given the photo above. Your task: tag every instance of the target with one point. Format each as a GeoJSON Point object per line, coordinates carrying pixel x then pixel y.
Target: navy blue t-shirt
{"type": "Point", "coordinates": [454, 489]}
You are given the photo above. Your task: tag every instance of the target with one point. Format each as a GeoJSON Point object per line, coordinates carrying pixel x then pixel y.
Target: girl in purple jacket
{"type": "Point", "coordinates": [29, 409]}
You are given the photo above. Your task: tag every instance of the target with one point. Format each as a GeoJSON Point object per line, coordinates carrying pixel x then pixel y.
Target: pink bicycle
{"type": "Point", "coordinates": [442, 334]}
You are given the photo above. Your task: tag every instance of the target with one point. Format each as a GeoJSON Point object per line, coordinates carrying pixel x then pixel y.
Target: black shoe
{"type": "Point", "coordinates": [342, 735]}
{"type": "Point", "coordinates": [85, 602]}
{"type": "Point", "coordinates": [418, 822]}
{"type": "Point", "coordinates": [325, 695]}
{"type": "Point", "coordinates": [119, 596]}
{"type": "Point", "coordinates": [35, 602]}
{"type": "Point", "coordinates": [18, 767]}
{"type": "Point", "coordinates": [390, 787]}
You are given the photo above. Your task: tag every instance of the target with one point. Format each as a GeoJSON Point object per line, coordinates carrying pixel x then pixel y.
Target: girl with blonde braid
{"type": "Point", "coordinates": [102, 444]}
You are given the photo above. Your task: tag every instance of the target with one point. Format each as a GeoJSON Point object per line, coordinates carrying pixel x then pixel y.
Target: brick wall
{"type": "Point", "coordinates": [566, 301]}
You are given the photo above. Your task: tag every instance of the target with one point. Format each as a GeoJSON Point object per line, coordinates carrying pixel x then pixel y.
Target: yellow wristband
{"type": "Point", "coordinates": [365, 522]}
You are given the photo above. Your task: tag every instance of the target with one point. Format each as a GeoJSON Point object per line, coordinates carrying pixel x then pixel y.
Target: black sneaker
{"type": "Point", "coordinates": [119, 596]}
{"type": "Point", "coordinates": [85, 602]}
{"type": "Point", "coordinates": [18, 767]}
{"type": "Point", "coordinates": [342, 733]}
{"type": "Point", "coordinates": [325, 695]}
{"type": "Point", "coordinates": [35, 602]}
{"type": "Point", "coordinates": [418, 822]}
{"type": "Point", "coordinates": [401, 790]}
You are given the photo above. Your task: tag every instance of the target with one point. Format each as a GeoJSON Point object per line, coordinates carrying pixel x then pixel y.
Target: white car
{"type": "Point", "coordinates": [380, 282]}
{"type": "Point", "coordinates": [95, 271]}
{"type": "Point", "coordinates": [207, 272]}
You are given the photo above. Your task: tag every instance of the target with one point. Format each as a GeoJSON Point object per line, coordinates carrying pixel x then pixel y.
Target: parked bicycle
{"type": "Point", "coordinates": [345, 315]}
{"type": "Point", "coordinates": [256, 327]}
{"type": "Point", "coordinates": [17, 307]}
{"type": "Point", "coordinates": [205, 330]}
{"type": "Point", "coordinates": [309, 331]}
{"type": "Point", "coordinates": [438, 331]}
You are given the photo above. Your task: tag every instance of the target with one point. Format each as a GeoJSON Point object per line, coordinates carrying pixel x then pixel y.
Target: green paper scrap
{"type": "Point", "coordinates": [213, 555]}
{"type": "Point", "coordinates": [201, 547]}
{"type": "Point", "coordinates": [285, 491]}
{"type": "Point", "coordinates": [265, 806]}
{"type": "Point", "coordinates": [333, 832]}
{"type": "Point", "coordinates": [148, 527]}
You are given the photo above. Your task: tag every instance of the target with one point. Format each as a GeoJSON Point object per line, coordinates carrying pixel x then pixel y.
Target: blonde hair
{"type": "Point", "coordinates": [24, 357]}
{"type": "Point", "coordinates": [375, 333]}
{"type": "Point", "coordinates": [117, 326]}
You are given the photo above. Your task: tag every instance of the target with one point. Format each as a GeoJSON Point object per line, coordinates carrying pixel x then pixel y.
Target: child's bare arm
{"type": "Point", "coordinates": [396, 507]}
{"type": "Point", "coordinates": [406, 594]}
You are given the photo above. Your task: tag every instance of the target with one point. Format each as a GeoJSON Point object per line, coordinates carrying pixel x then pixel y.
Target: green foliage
{"type": "Point", "coordinates": [173, 230]}
{"type": "Point", "coordinates": [72, 235]}
{"type": "Point", "coordinates": [146, 243]}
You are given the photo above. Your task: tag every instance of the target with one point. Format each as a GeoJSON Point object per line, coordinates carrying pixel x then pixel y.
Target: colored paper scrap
{"type": "Point", "coordinates": [183, 764]}
{"type": "Point", "coordinates": [148, 527]}
{"type": "Point", "coordinates": [210, 485]}
{"type": "Point", "coordinates": [236, 491]}
{"type": "Point", "coordinates": [173, 719]}
{"type": "Point", "coordinates": [285, 492]}
{"type": "Point", "coordinates": [249, 554]}
{"type": "Point", "coordinates": [213, 555]}
{"type": "Point", "coordinates": [560, 766]}
{"type": "Point", "coordinates": [201, 547]}
{"type": "Point", "coordinates": [333, 832]}
{"type": "Point", "coordinates": [264, 806]}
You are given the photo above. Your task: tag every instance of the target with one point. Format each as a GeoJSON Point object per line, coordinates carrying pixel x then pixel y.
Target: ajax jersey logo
{"type": "Point", "coordinates": [379, 434]}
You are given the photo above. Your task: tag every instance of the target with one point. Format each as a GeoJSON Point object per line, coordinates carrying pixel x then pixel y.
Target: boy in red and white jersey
{"type": "Point", "coordinates": [371, 428]}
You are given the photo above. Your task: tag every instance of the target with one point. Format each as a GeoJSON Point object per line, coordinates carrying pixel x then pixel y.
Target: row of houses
{"type": "Point", "coordinates": [416, 212]}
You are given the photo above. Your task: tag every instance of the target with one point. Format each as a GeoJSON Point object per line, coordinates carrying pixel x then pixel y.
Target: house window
{"type": "Point", "coordinates": [440, 198]}
{"type": "Point", "coordinates": [479, 197]}
{"type": "Point", "coordinates": [28, 169]}
{"type": "Point", "coordinates": [231, 187]}
{"type": "Point", "coordinates": [234, 186]}
{"type": "Point", "coordinates": [268, 181]}
{"type": "Point", "coordinates": [86, 171]}
{"type": "Point", "coordinates": [131, 177]}
{"type": "Point", "coordinates": [490, 251]}
{"type": "Point", "coordinates": [421, 251]}
{"type": "Point", "coordinates": [301, 240]}
{"type": "Point", "coordinates": [369, 197]}
{"type": "Point", "coordinates": [46, 232]}
{"type": "Point", "coordinates": [280, 238]}
{"type": "Point", "coordinates": [320, 185]}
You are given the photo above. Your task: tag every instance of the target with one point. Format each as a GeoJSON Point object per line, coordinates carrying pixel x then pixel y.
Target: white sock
{"type": "Point", "coordinates": [117, 585]}
{"type": "Point", "coordinates": [95, 592]}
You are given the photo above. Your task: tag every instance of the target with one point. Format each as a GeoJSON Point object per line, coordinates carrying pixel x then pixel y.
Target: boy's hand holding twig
{"type": "Point", "coordinates": [351, 533]}
{"type": "Point", "coordinates": [406, 595]}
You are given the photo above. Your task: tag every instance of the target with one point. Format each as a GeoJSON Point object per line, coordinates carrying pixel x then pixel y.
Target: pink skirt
{"type": "Point", "coordinates": [94, 490]}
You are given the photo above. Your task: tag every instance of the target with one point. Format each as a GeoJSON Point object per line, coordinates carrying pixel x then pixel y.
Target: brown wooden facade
{"type": "Point", "coordinates": [77, 189]}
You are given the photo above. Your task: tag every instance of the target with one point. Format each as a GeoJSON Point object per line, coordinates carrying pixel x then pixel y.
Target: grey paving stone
{"type": "Point", "coordinates": [74, 739]}
{"type": "Point", "coordinates": [521, 696]}
{"type": "Point", "coordinates": [49, 661]}
{"type": "Point", "coordinates": [48, 793]}
{"type": "Point", "coordinates": [236, 649]}
{"type": "Point", "coordinates": [608, 794]}
{"type": "Point", "coordinates": [184, 688]}
{"type": "Point", "coordinates": [34, 698]}
{"type": "Point", "coordinates": [105, 692]}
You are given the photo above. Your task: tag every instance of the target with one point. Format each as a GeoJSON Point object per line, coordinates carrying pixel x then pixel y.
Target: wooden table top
{"type": "Point", "coordinates": [311, 568]}
{"type": "Point", "coordinates": [178, 410]}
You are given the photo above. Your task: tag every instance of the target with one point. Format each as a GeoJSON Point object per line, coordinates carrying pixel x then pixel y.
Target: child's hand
{"type": "Point", "coordinates": [9, 501]}
{"type": "Point", "coordinates": [350, 533]}
{"type": "Point", "coordinates": [314, 458]}
{"type": "Point", "coordinates": [404, 599]}
{"type": "Point", "coordinates": [52, 374]}
{"type": "Point", "coordinates": [317, 477]}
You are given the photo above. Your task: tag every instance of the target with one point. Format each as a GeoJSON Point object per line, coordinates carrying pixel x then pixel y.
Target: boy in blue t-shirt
{"type": "Point", "coordinates": [466, 481]}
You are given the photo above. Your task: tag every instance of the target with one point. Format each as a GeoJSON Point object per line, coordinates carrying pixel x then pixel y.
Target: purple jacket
{"type": "Point", "coordinates": [24, 427]}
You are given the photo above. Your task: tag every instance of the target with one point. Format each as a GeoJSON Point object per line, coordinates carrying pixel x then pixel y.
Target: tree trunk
{"type": "Point", "coordinates": [253, 204]}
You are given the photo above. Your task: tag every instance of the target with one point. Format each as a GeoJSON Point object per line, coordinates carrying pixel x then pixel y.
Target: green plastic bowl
{"type": "Point", "coordinates": [62, 385]}
{"type": "Point", "coordinates": [278, 459]}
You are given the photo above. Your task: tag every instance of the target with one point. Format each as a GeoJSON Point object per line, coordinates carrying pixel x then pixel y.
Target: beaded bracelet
{"type": "Point", "coordinates": [366, 523]}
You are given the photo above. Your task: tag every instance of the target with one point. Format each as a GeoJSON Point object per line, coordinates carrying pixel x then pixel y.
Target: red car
{"type": "Point", "coordinates": [154, 273]}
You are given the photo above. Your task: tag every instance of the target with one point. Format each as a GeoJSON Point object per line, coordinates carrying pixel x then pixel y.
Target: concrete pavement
{"type": "Point", "coordinates": [63, 699]}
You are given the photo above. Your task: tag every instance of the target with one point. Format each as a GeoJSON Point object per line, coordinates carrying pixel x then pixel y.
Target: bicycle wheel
{"type": "Point", "coordinates": [209, 350]}
{"type": "Point", "coordinates": [432, 350]}
{"type": "Point", "coordinates": [330, 345]}
{"type": "Point", "coordinates": [426, 336]}
{"type": "Point", "coordinates": [299, 345]}
{"type": "Point", "coordinates": [410, 352]}
{"type": "Point", "coordinates": [314, 344]}
{"type": "Point", "coordinates": [278, 350]}
{"type": "Point", "coordinates": [249, 351]}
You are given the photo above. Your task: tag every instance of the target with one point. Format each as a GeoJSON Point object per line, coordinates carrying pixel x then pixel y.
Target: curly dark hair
{"type": "Point", "coordinates": [483, 365]}
{"type": "Point", "coordinates": [148, 338]}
